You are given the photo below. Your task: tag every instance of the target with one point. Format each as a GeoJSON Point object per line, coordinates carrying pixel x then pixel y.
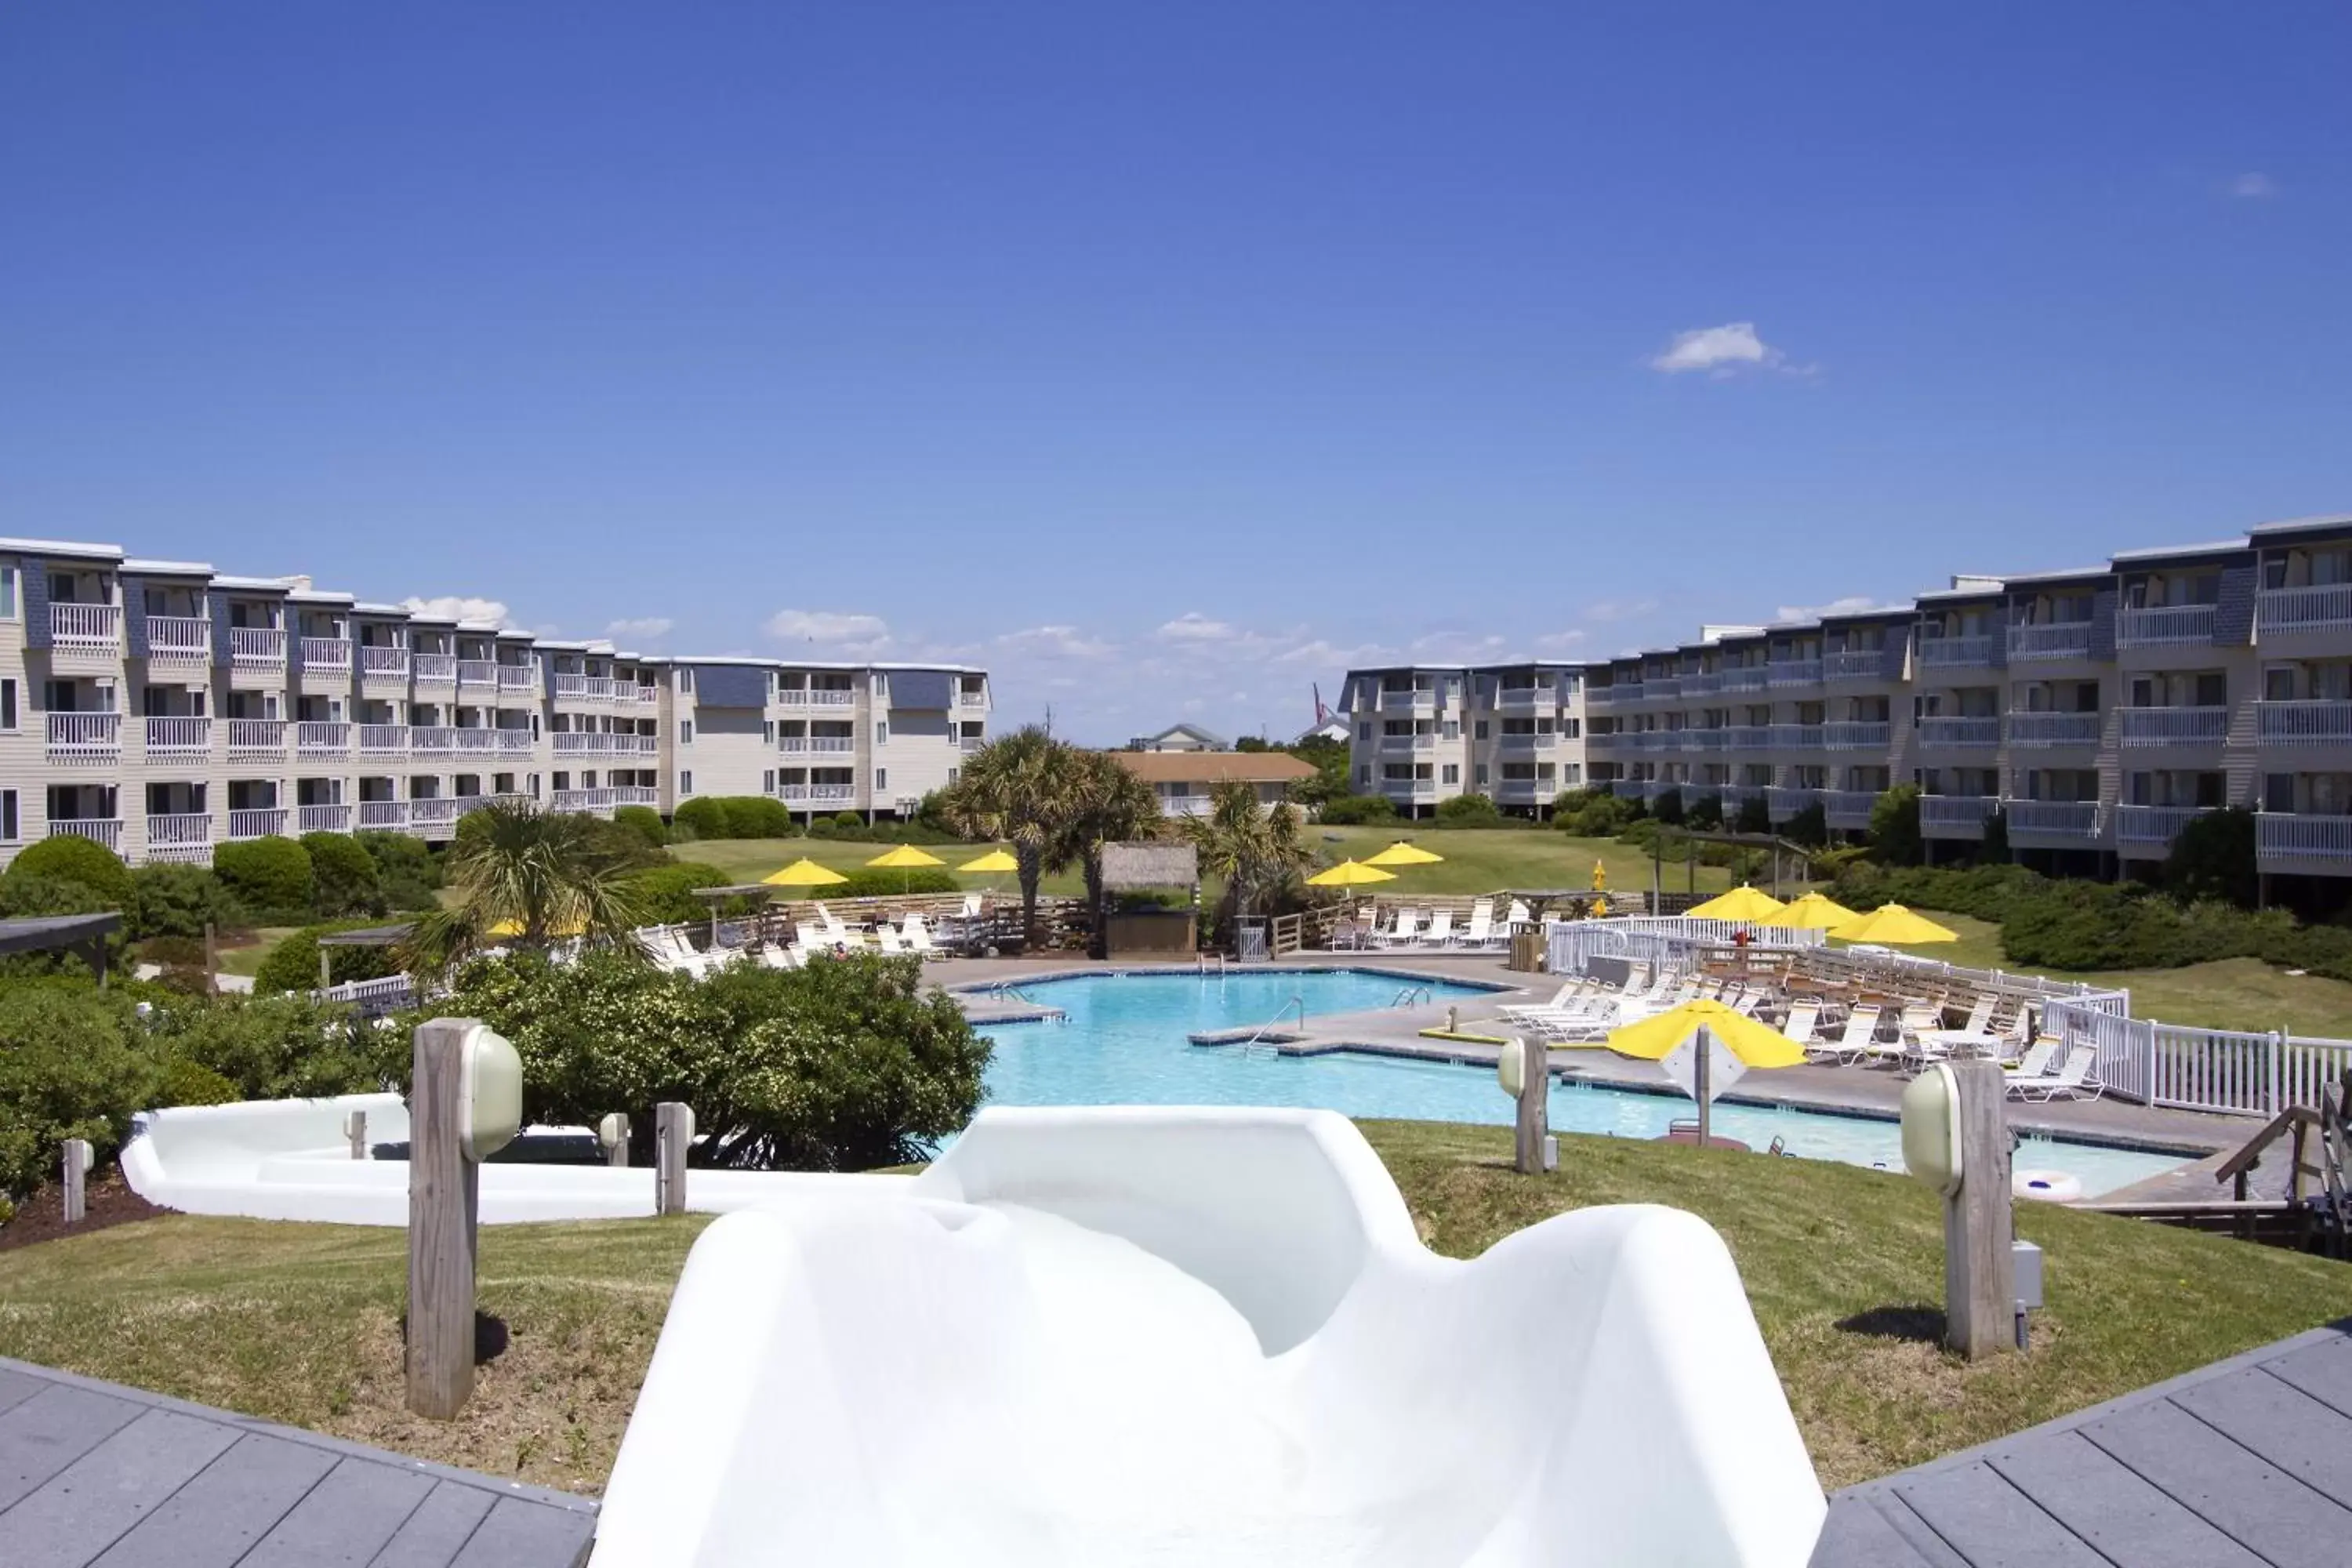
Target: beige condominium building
{"type": "Point", "coordinates": [161, 707]}
{"type": "Point", "coordinates": [2097, 711]}
{"type": "Point", "coordinates": [1423, 734]}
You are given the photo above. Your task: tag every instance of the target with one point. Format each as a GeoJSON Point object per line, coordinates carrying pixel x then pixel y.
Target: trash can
{"type": "Point", "coordinates": [1527, 950]}
{"type": "Point", "coordinates": [1249, 942]}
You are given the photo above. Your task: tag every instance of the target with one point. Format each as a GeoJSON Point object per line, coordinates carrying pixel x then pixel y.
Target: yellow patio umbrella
{"type": "Point", "coordinates": [1402, 854]}
{"type": "Point", "coordinates": [996, 860]}
{"type": "Point", "coordinates": [1600, 878]}
{"type": "Point", "coordinates": [1896, 926]}
{"type": "Point", "coordinates": [1350, 874]}
{"type": "Point", "coordinates": [804, 873]}
{"type": "Point", "coordinates": [1814, 912]}
{"type": "Point", "coordinates": [1722, 1043]}
{"type": "Point", "coordinates": [511, 927]}
{"type": "Point", "coordinates": [1742, 903]}
{"type": "Point", "coordinates": [905, 857]}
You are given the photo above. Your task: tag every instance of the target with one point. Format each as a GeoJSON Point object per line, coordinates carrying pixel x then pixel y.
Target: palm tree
{"type": "Point", "coordinates": [1020, 788]}
{"type": "Point", "coordinates": [524, 876]}
{"type": "Point", "coordinates": [1257, 851]}
{"type": "Point", "coordinates": [1109, 804]}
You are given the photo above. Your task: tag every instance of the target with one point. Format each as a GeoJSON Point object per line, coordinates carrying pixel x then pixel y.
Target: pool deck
{"type": "Point", "coordinates": [1396, 1031]}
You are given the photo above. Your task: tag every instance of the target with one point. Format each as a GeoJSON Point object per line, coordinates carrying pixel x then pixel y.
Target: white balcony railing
{"type": "Point", "coordinates": [1857, 735]}
{"type": "Point", "coordinates": [106, 830]}
{"type": "Point", "coordinates": [598, 800]}
{"type": "Point", "coordinates": [642, 695]}
{"type": "Point", "coordinates": [1746, 678]}
{"type": "Point", "coordinates": [514, 740]}
{"type": "Point", "coordinates": [572, 742]}
{"type": "Point", "coordinates": [2172, 726]}
{"type": "Point", "coordinates": [570, 683]}
{"type": "Point", "coordinates": [179, 830]}
{"type": "Point", "coordinates": [1529, 740]}
{"type": "Point", "coordinates": [644, 746]}
{"type": "Point", "coordinates": [1796, 737]}
{"type": "Point", "coordinates": [518, 678]}
{"type": "Point", "coordinates": [2308, 723]}
{"type": "Point", "coordinates": [2317, 608]}
{"type": "Point", "coordinates": [2164, 623]}
{"type": "Point", "coordinates": [635, 794]}
{"type": "Point", "coordinates": [1848, 807]}
{"type": "Point", "coordinates": [85, 734]}
{"type": "Point", "coordinates": [792, 696]}
{"type": "Point", "coordinates": [2061, 640]}
{"type": "Point", "coordinates": [432, 810]}
{"type": "Point", "coordinates": [475, 672]}
{"type": "Point", "coordinates": [2054, 819]}
{"type": "Point", "coordinates": [1971, 652]}
{"type": "Point", "coordinates": [91, 626]}
{"type": "Point", "coordinates": [255, 737]}
{"type": "Point", "coordinates": [2046, 728]}
{"type": "Point", "coordinates": [327, 656]}
{"type": "Point", "coordinates": [1794, 671]}
{"type": "Point", "coordinates": [383, 663]}
{"type": "Point", "coordinates": [434, 739]}
{"type": "Point", "coordinates": [972, 699]}
{"type": "Point", "coordinates": [257, 822]}
{"type": "Point", "coordinates": [474, 741]}
{"type": "Point", "coordinates": [321, 738]}
{"type": "Point", "coordinates": [831, 697]}
{"type": "Point", "coordinates": [388, 815]}
{"type": "Point", "coordinates": [257, 647]}
{"type": "Point", "coordinates": [335, 818]}
{"type": "Point", "coordinates": [383, 740]}
{"type": "Point", "coordinates": [2303, 837]}
{"type": "Point", "coordinates": [179, 735]}
{"type": "Point", "coordinates": [1855, 664]}
{"type": "Point", "coordinates": [1956, 815]}
{"type": "Point", "coordinates": [1747, 737]}
{"type": "Point", "coordinates": [970, 743]}
{"type": "Point", "coordinates": [1781, 804]}
{"type": "Point", "coordinates": [179, 636]}
{"type": "Point", "coordinates": [818, 793]}
{"type": "Point", "coordinates": [439, 668]}
{"type": "Point", "coordinates": [2154, 823]}
{"type": "Point", "coordinates": [1959, 732]}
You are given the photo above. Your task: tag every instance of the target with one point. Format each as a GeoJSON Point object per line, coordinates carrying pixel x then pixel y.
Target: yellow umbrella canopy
{"type": "Point", "coordinates": [906, 854]}
{"type": "Point", "coordinates": [1402, 854]}
{"type": "Point", "coordinates": [804, 873]}
{"type": "Point", "coordinates": [1896, 926]}
{"type": "Point", "coordinates": [512, 927]}
{"type": "Point", "coordinates": [1814, 912]}
{"type": "Point", "coordinates": [1758, 1045]}
{"type": "Point", "coordinates": [1350, 874]}
{"type": "Point", "coordinates": [1742, 903]}
{"type": "Point", "coordinates": [994, 860]}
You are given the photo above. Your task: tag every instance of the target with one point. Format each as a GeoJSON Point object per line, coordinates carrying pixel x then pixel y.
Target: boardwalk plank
{"type": "Point", "coordinates": [2239, 1493]}
{"type": "Point", "coordinates": [439, 1528]}
{"type": "Point", "coordinates": [86, 1507]}
{"type": "Point", "coordinates": [214, 1519]}
{"type": "Point", "coordinates": [2322, 1371]}
{"type": "Point", "coordinates": [520, 1530]}
{"type": "Point", "coordinates": [43, 1435]}
{"type": "Point", "coordinates": [2118, 1513]}
{"type": "Point", "coordinates": [2305, 1439]}
{"type": "Point", "coordinates": [1988, 1523]}
{"type": "Point", "coordinates": [15, 1387]}
{"type": "Point", "coordinates": [347, 1519]}
{"type": "Point", "coordinates": [1857, 1535]}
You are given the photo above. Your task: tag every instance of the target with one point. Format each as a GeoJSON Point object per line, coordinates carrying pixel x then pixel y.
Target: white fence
{"type": "Point", "coordinates": [372, 998]}
{"type": "Point", "coordinates": [2231, 1071]}
{"type": "Point", "coordinates": [1660, 939]}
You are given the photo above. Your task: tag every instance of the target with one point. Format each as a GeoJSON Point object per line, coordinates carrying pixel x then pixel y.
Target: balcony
{"type": "Point", "coordinates": [643, 696]}
{"type": "Point", "coordinates": [577, 743]}
{"type": "Point", "coordinates": [1848, 807]}
{"type": "Point", "coordinates": [570, 686]}
{"type": "Point", "coordinates": [383, 663]}
{"type": "Point", "coordinates": [644, 746]}
{"type": "Point", "coordinates": [1746, 678]}
{"type": "Point", "coordinates": [2045, 728]}
{"type": "Point", "coordinates": [1414, 699]}
{"type": "Point", "coordinates": [257, 822]}
{"type": "Point", "coordinates": [2172, 726]}
{"type": "Point", "coordinates": [1749, 737]}
{"type": "Point", "coordinates": [383, 740]}
{"type": "Point", "coordinates": [970, 743]}
{"type": "Point", "coordinates": [87, 628]}
{"type": "Point", "coordinates": [1959, 732]}
{"type": "Point", "coordinates": [335, 818]}
{"type": "Point", "coordinates": [792, 696]}
{"type": "Point", "coordinates": [635, 794]}
{"type": "Point", "coordinates": [1796, 737]}
{"type": "Point", "coordinates": [2076, 819]}
{"type": "Point", "coordinates": [518, 678]}
{"type": "Point", "coordinates": [2294, 835]}
{"type": "Point", "coordinates": [1955, 816]}
{"type": "Point", "coordinates": [432, 740]}
{"type": "Point", "coordinates": [475, 672]}
{"type": "Point", "coordinates": [818, 794]}
{"type": "Point", "coordinates": [2309, 724]}
{"type": "Point", "coordinates": [1780, 805]}
{"type": "Point", "coordinates": [182, 638]}
{"type": "Point", "coordinates": [320, 738]}
{"type": "Point", "coordinates": [474, 741]}
{"type": "Point", "coordinates": [1526, 697]}
{"type": "Point", "coordinates": [325, 655]}
{"type": "Point", "coordinates": [1794, 672]}
{"type": "Point", "coordinates": [180, 836]}
{"type": "Point", "coordinates": [2163, 624]}
{"type": "Point", "coordinates": [256, 737]}
{"type": "Point", "coordinates": [85, 736]}
{"type": "Point", "coordinates": [257, 647]}
{"type": "Point", "coordinates": [1703, 683]}
{"type": "Point", "coordinates": [1390, 743]}
{"type": "Point", "coordinates": [384, 815]}
{"type": "Point", "coordinates": [1858, 735]}
{"type": "Point", "coordinates": [434, 669]}
{"type": "Point", "coordinates": [1972, 652]}
{"type": "Point", "coordinates": [1528, 741]}
{"type": "Point", "coordinates": [432, 816]}
{"type": "Point", "coordinates": [2061, 640]}
{"type": "Point", "coordinates": [2157, 825]}
{"type": "Point", "coordinates": [1855, 664]}
{"type": "Point", "coordinates": [597, 801]}
{"type": "Point", "coordinates": [1660, 687]}
{"type": "Point", "coordinates": [972, 699]}
{"type": "Point", "coordinates": [2328, 607]}
{"type": "Point", "coordinates": [106, 830]}
{"type": "Point", "coordinates": [1714, 739]}
{"type": "Point", "coordinates": [515, 741]}
{"type": "Point", "coordinates": [180, 735]}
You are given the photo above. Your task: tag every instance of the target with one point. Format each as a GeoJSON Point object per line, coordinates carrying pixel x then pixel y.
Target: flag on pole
{"type": "Point", "coordinates": [1322, 714]}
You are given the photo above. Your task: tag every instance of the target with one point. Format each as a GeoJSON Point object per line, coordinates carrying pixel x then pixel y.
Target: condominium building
{"type": "Point", "coordinates": [2098, 709]}
{"type": "Point", "coordinates": [1423, 734]}
{"type": "Point", "coordinates": [161, 708]}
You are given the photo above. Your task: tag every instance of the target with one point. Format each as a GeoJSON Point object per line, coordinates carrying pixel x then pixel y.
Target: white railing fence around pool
{"type": "Point", "coordinates": [2236, 1072]}
{"type": "Point", "coordinates": [372, 998]}
{"type": "Point", "coordinates": [1660, 939]}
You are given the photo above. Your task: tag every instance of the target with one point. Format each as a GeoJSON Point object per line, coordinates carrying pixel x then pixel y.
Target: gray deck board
{"type": "Point", "coordinates": [2117, 1512]}
{"type": "Point", "coordinates": [95, 1474]}
{"type": "Point", "coordinates": [2235, 1489]}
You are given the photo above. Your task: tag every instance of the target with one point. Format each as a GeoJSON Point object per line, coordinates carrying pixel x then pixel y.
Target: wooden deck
{"type": "Point", "coordinates": [2244, 1463]}
{"type": "Point", "coordinates": [94, 1473]}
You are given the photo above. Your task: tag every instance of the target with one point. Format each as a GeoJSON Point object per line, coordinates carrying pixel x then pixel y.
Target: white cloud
{"type": "Point", "coordinates": [643, 628]}
{"type": "Point", "coordinates": [1323, 651]}
{"type": "Point", "coordinates": [457, 607]}
{"type": "Point", "coordinates": [2254, 186]}
{"type": "Point", "coordinates": [1559, 642]}
{"type": "Point", "coordinates": [849, 632]}
{"type": "Point", "coordinates": [1844, 607]}
{"type": "Point", "coordinates": [1611, 610]}
{"type": "Point", "coordinates": [1055, 642]}
{"type": "Point", "coordinates": [1722, 351]}
{"type": "Point", "coordinates": [1194, 626]}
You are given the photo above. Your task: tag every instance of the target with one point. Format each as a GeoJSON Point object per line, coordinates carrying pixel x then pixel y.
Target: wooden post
{"type": "Point", "coordinates": [1535, 1108]}
{"type": "Point", "coordinates": [673, 1131]}
{"type": "Point", "coordinates": [1979, 1287]}
{"type": "Point", "coordinates": [73, 1169]}
{"type": "Point", "coordinates": [1699, 1084]}
{"type": "Point", "coordinates": [212, 960]}
{"type": "Point", "coordinates": [355, 1129]}
{"type": "Point", "coordinates": [326, 966]}
{"type": "Point", "coordinates": [443, 1190]}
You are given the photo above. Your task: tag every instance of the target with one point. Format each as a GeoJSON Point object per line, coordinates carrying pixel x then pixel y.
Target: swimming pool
{"type": "Point", "coordinates": [1122, 1041]}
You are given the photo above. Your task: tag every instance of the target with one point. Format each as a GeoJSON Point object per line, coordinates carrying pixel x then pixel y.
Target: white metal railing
{"type": "Point", "coordinates": [2288, 609]}
{"type": "Point", "coordinates": [513, 740]}
{"type": "Point", "coordinates": [2165, 623]}
{"type": "Point", "coordinates": [477, 672]}
{"type": "Point", "coordinates": [331, 818]}
{"type": "Point", "coordinates": [518, 678]}
{"type": "Point", "coordinates": [2311, 722]}
{"type": "Point", "coordinates": [181, 734]}
{"type": "Point", "coordinates": [2154, 823]}
{"type": "Point", "coordinates": [256, 644]}
{"type": "Point", "coordinates": [2303, 836]}
{"type": "Point", "coordinates": [1971, 652]}
{"type": "Point", "coordinates": [791, 742]}
{"type": "Point", "coordinates": [836, 743]}
{"type": "Point", "coordinates": [106, 830]}
{"type": "Point", "coordinates": [635, 794]}
{"type": "Point", "coordinates": [831, 697]}
{"type": "Point", "coordinates": [642, 695]}
{"type": "Point", "coordinates": [2065, 818]}
{"type": "Point", "coordinates": [437, 739]}
{"type": "Point", "coordinates": [2172, 726]}
{"type": "Point", "coordinates": [972, 699]}
{"type": "Point", "coordinates": [1959, 732]}
{"type": "Point", "coordinates": [572, 743]}
{"type": "Point", "coordinates": [381, 662]}
{"type": "Point", "coordinates": [2309, 1065]}
{"type": "Point", "coordinates": [1848, 807]}
{"type": "Point", "coordinates": [1659, 939]}
{"type": "Point", "coordinates": [321, 737]}
{"type": "Point", "coordinates": [792, 696]}
{"type": "Point", "coordinates": [1857, 735]}
{"type": "Point", "coordinates": [383, 813]}
{"type": "Point", "coordinates": [332, 654]}
{"type": "Point", "coordinates": [1747, 737]}
{"type": "Point", "coordinates": [470, 739]}
{"type": "Point", "coordinates": [599, 799]}
{"type": "Point", "coordinates": [374, 998]}
{"type": "Point", "coordinates": [1965, 812]}
{"type": "Point", "coordinates": [2231, 1072]}
{"type": "Point", "coordinates": [179, 636]}
{"type": "Point", "coordinates": [1782, 802]}
{"type": "Point", "coordinates": [86, 626]}
{"type": "Point", "coordinates": [433, 810]}
{"type": "Point", "coordinates": [824, 791]}
{"type": "Point", "coordinates": [172, 835]}
{"type": "Point", "coordinates": [1796, 737]}
{"type": "Point", "coordinates": [1794, 672]}
{"type": "Point", "coordinates": [1185, 805]}
{"type": "Point", "coordinates": [257, 822]}
{"type": "Point", "coordinates": [646, 745]}
{"type": "Point", "coordinates": [253, 735]}
{"type": "Point", "coordinates": [1520, 742]}
{"type": "Point", "coordinates": [2055, 639]}
{"type": "Point", "coordinates": [435, 667]}
{"type": "Point", "coordinates": [2046, 728]}
{"type": "Point", "coordinates": [1746, 678]}
{"type": "Point", "coordinates": [1855, 664]}
{"type": "Point", "coordinates": [383, 739]}
{"type": "Point", "coordinates": [970, 743]}
{"type": "Point", "coordinates": [85, 734]}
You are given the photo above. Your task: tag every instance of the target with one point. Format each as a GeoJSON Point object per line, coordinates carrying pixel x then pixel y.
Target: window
{"type": "Point", "coordinates": [1364, 730]}
{"type": "Point", "coordinates": [1572, 727]}
{"type": "Point", "coordinates": [685, 731]}
{"type": "Point", "coordinates": [1364, 775]}
{"type": "Point", "coordinates": [768, 731]}
{"type": "Point", "coordinates": [881, 733]}
{"type": "Point", "coordinates": [685, 782]}
{"type": "Point", "coordinates": [534, 786]}
{"type": "Point", "coordinates": [7, 704]}
{"type": "Point", "coordinates": [1478, 730]}
{"type": "Point", "coordinates": [8, 796]}
{"type": "Point", "coordinates": [686, 680]}
{"type": "Point", "coordinates": [8, 612]}
{"type": "Point", "coordinates": [1452, 773]}
{"type": "Point", "coordinates": [881, 778]}
{"type": "Point", "coordinates": [1478, 775]}
{"type": "Point", "coordinates": [1452, 728]}
{"type": "Point", "coordinates": [768, 782]}
{"type": "Point", "coordinates": [953, 774]}
{"type": "Point", "coordinates": [1571, 773]}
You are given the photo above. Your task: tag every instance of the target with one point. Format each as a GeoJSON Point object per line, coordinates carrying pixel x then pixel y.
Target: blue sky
{"type": "Point", "coordinates": [1167, 359]}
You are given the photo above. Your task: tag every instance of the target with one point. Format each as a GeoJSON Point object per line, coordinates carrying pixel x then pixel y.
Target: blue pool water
{"type": "Point", "coordinates": [1123, 1042]}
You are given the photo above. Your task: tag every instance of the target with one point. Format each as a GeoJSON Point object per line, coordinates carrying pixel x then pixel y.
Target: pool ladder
{"type": "Point", "coordinates": [1258, 1039]}
{"type": "Point", "coordinates": [1413, 995]}
{"type": "Point", "coordinates": [1202, 962]}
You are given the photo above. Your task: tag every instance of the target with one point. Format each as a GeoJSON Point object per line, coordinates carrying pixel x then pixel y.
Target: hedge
{"type": "Point", "coordinates": [178, 900]}
{"type": "Point", "coordinates": [345, 876]}
{"type": "Point", "coordinates": [68, 857]}
{"type": "Point", "coordinates": [293, 964]}
{"type": "Point", "coordinates": [266, 874]}
{"type": "Point", "coordinates": [1346, 810]}
{"type": "Point", "coordinates": [882, 882]}
{"type": "Point", "coordinates": [665, 895]}
{"type": "Point", "coordinates": [644, 821]}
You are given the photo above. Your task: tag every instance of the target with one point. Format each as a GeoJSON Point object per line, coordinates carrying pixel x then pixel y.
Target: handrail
{"type": "Point", "coordinates": [1296, 1001]}
{"type": "Point", "coordinates": [2237, 1167]}
{"type": "Point", "coordinates": [1405, 998]}
{"type": "Point", "coordinates": [1201, 962]}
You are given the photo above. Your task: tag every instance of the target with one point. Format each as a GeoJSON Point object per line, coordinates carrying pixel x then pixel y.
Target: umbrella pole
{"type": "Point", "coordinates": [1705, 1050]}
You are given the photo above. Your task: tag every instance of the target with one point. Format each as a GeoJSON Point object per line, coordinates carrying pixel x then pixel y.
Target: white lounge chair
{"type": "Point", "coordinates": [2035, 1064]}
{"type": "Point", "coordinates": [1855, 1039]}
{"type": "Point", "coordinates": [1480, 932]}
{"type": "Point", "coordinates": [1440, 929]}
{"type": "Point", "coordinates": [887, 939]}
{"type": "Point", "coordinates": [1799, 1025]}
{"type": "Point", "coordinates": [1401, 935]}
{"type": "Point", "coordinates": [2074, 1081]}
{"type": "Point", "coordinates": [917, 937]}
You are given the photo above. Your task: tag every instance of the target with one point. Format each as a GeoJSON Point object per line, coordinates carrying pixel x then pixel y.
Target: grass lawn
{"type": "Point", "coordinates": [246, 958]}
{"type": "Point", "coordinates": [299, 1323]}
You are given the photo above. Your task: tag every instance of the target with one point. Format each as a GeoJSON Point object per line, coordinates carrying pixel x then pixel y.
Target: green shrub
{"type": "Point", "coordinates": [74, 1063]}
{"type": "Point", "coordinates": [665, 895]}
{"type": "Point", "coordinates": [190, 1083]}
{"type": "Point", "coordinates": [398, 857]}
{"type": "Point", "coordinates": [280, 1048]}
{"type": "Point", "coordinates": [293, 964]}
{"type": "Point", "coordinates": [1895, 838]}
{"type": "Point", "coordinates": [1668, 807]}
{"type": "Point", "coordinates": [1755, 816]}
{"type": "Point", "coordinates": [2213, 859]}
{"type": "Point", "coordinates": [849, 822]}
{"type": "Point", "coordinates": [266, 874]}
{"type": "Point", "coordinates": [1591, 814]}
{"type": "Point", "coordinates": [1359, 810]}
{"type": "Point", "coordinates": [1704, 814]}
{"type": "Point", "coordinates": [1468, 811]}
{"type": "Point", "coordinates": [347, 881]}
{"type": "Point", "coordinates": [882, 882]}
{"type": "Point", "coordinates": [1810, 827]}
{"type": "Point", "coordinates": [68, 857]}
{"type": "Point", "coordinates": [823, 827]}
{"type": "Point", "coordinates": [644, 821]}
{"type": "Point", "coordinates": [180, 900]}
{"type": "Point", "coordinates": [705, 816]}
{"type": "Point", "coordinates": [758, 817]}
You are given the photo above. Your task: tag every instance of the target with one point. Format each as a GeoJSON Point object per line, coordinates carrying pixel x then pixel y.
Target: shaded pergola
{"type": "Point", "coordinates": [82, 935]}
{"type": "Point", "coordinates": [1771, 843]}
{"type": "Point", "coordinates": [1148, 867]}
{"type": "Point", "coordinates": [364, 936]}
{"type": "Point", "coordinates": [714, 896]}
